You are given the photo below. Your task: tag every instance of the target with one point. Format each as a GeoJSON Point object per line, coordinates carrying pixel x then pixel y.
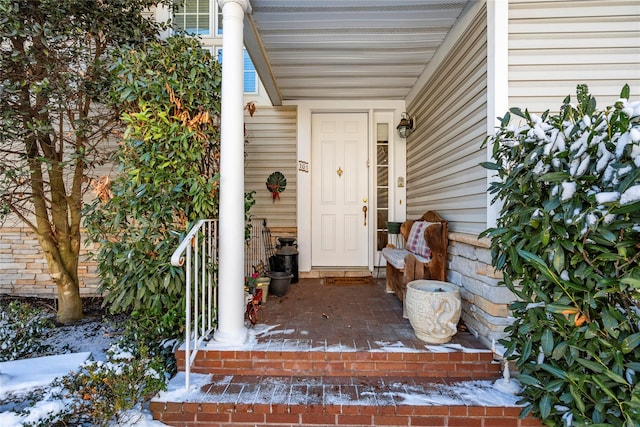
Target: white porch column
{"type": "Point", "coordinates": [231, 329]}
{"type": "Point", "coordinates": [497, 85]}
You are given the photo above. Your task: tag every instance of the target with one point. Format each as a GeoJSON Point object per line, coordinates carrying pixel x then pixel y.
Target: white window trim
{"type": "Point", "coordinates": [214, 11]}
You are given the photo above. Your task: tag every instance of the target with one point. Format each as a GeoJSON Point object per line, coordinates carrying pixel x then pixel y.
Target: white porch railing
{"type": "Point", "coordinates": [198, 253]}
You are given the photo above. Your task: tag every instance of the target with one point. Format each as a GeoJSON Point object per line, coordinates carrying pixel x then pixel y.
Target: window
{"type": "Point", "coordinates": [250, 74]}
{"type": "Point", "coordinates": [197, 17]}
{"type": "Point", "coordinates": [204, 18]}
{"type": "Point", "coordinates": [382, 184]}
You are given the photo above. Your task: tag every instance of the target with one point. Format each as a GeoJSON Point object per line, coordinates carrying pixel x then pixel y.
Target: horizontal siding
{"type": "Point", "coordinates": [271, 135]}
{"type": "Point", "coordinates": [444, 152]}
{"type": "Point", "coordinates": [554, 46]}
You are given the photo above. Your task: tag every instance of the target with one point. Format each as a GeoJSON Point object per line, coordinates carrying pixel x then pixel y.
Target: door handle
{"type": "Point", "coordinates": [364, 209]}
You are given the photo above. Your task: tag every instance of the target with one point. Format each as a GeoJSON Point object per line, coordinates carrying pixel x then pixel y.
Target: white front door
{"type": "Point", "coordinates": [339, 190]}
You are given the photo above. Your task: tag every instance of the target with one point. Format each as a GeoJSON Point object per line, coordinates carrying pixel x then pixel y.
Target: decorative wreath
{"type": "Point", "coordinates": [276, 183]}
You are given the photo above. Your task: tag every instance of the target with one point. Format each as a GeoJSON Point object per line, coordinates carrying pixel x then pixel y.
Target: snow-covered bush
{"type": "Point", "coordinates": [568, 242]}
{"type": "Point", "coordinates": [21, 326]}
{"type": "Point", "coordinates": [103, 391]}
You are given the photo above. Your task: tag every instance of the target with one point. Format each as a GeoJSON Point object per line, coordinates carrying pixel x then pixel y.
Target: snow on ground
{"type": "Point", "coordinates": [21, 380]}
{"type": "Point", "coordinates": [18, 378]}
{"type": "Point", "coordinates": [26, 374]}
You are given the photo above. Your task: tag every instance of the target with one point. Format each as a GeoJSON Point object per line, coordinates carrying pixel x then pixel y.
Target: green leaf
{"type": "Point", "coordinates": [538, 263]}
{"type": "Point", "coordinates": [559, 373]}
{"type": "Point", "coordinates": [526, 351]}
{"type": "Point", "coordinates": [615, 377]}
{"type": "Point", "coordinates": [554, 177]}
{"type": "Point", "coordinates": [633, 365]}
{"type": "Point", "coordinates": [559, 350]}
{"type": "Point", "coordinates": [625, 92]}
{"type": "Point", "coordinates": [547, 342]}
{"type": "Point", "coordinates": [558, 260]}
{"type": "Point", "coordinates": [598, 381]}
{"type": "Point", "coordinates": [610, 323]}
{"type": "Point", "coordinates": [633, 207]}
{"type": "Point", "coordinates": [632, 281]}
{"type": "Point", "coordinates": [551, 204]}
{"type": "Point", "coordinates": [545, 236]}
{"type": "Point", "coordinates": [609, 257]}
{"type": "Point", "coordinates": [491, 166]}
{"type": "Point", "coordinates": [528, 380]}
{"type": "Point", "coordinates": [607, 235]}
{"type": "Point", "coordinates": [590, 364]}
{"type": "Point", "coordinates": [576, 393]}
{"type": "Point", "coordinates": [545, 406]}
{"type": "Point", "coordinates": [630, 343]}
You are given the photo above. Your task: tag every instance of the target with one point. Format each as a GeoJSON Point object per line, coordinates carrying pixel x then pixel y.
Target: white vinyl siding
{"type": "Point", "coordinates": [556, 45]}
{"type": "Point", "coordinates": [271, 133]}
{"type": "Point", "coordinates": [444, 152]}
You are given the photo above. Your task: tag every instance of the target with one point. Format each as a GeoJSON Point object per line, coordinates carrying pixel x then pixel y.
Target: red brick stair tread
{"type": "Point", "coordinates": [343, 401]}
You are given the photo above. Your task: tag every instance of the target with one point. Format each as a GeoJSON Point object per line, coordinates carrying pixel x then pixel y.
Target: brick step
{"type": "Point", "coordinates": [312, 400]}
{"type": "Point", "coordinates": [477, 364]}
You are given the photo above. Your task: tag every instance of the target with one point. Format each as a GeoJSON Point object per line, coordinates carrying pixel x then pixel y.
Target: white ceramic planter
{"type": "Point", "coordinates": [433, 308]}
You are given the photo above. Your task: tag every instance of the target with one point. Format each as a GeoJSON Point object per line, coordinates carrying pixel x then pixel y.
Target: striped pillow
{"type": "Point", "coordinates": [416, 242]}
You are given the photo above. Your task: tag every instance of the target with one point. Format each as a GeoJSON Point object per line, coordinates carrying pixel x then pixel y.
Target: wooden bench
{"type": "Point", "coordinates": [404, 265]}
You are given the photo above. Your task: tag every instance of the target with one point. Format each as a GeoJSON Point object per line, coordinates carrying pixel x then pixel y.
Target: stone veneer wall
{"type": "Point", "coordinates": [484, 303]}
{"type": "Point", "coordinates": [24, 270]}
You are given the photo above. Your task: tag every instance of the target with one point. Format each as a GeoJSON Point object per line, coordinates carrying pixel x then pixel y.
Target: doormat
{"type": "Point", "coordinates": [349, 281]}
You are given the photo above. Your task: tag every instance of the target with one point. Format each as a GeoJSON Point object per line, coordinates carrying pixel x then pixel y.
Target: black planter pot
{"type": "Point", "coordinates": [280, 281]}
{"type": "Point", "coordinates": [286, 258]}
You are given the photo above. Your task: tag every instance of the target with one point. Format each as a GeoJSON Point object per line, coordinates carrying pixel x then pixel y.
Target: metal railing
{"type": "Point", "coordinates": [198, 253]}
{"type": "Point", "coordinates": [254, 252]}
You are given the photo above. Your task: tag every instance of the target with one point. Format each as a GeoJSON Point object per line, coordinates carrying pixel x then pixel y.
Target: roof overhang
{"type": "Point", "coordinates": [345, 49]}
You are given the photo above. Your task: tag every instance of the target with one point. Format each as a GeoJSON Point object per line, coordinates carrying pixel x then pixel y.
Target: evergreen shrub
{"type": "Point", "coordinates": [568, 241]}
{"type": "Point", "coordinates": [167, 179]}
{"type": "Point", "coordinates": [22, 327]}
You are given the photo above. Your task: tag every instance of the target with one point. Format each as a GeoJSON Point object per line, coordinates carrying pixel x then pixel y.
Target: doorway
{"type": "Point", "coordinates": [339, 207]}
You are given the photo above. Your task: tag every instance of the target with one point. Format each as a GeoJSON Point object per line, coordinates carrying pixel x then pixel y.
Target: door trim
{"type": "Point", "coordinates": [304, 109]}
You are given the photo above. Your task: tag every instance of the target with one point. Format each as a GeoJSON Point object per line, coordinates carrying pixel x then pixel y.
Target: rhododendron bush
{"type": "Point", "coordinates": [568, 241]}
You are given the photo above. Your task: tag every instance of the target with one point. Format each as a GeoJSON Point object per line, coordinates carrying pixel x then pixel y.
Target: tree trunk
{"type": "Point", "coordinates": [69, 301]}
{"type": "Point", "coordinates": [63, 268]}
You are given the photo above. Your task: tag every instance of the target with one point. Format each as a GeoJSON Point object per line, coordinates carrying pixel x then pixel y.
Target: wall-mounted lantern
{"type": "Point", "coordinates": [406, 125]}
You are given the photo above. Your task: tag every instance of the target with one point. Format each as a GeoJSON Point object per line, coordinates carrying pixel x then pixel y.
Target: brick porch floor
{"type": "Point", "coordinates": [360, 317]}
{"type": "Point", "coordinates": [339, 355]}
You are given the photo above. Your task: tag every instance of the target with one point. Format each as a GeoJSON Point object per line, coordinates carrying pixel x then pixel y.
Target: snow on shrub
{"type": "Point", "coordinates": [102, 392]}
{"type": "Point", "coordinates": [568, 242]}
{"type": "Point", "coordinates": [21, 327]}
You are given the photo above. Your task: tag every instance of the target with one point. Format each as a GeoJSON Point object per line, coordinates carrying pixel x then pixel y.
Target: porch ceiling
{"type": "Point", "coordinates": [345, 49]}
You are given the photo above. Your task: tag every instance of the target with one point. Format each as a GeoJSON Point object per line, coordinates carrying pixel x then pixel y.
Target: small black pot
{"type": "Point", "coordinates": [394, 227]}
{"type": "Point", "coordinates": [280, 281]}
